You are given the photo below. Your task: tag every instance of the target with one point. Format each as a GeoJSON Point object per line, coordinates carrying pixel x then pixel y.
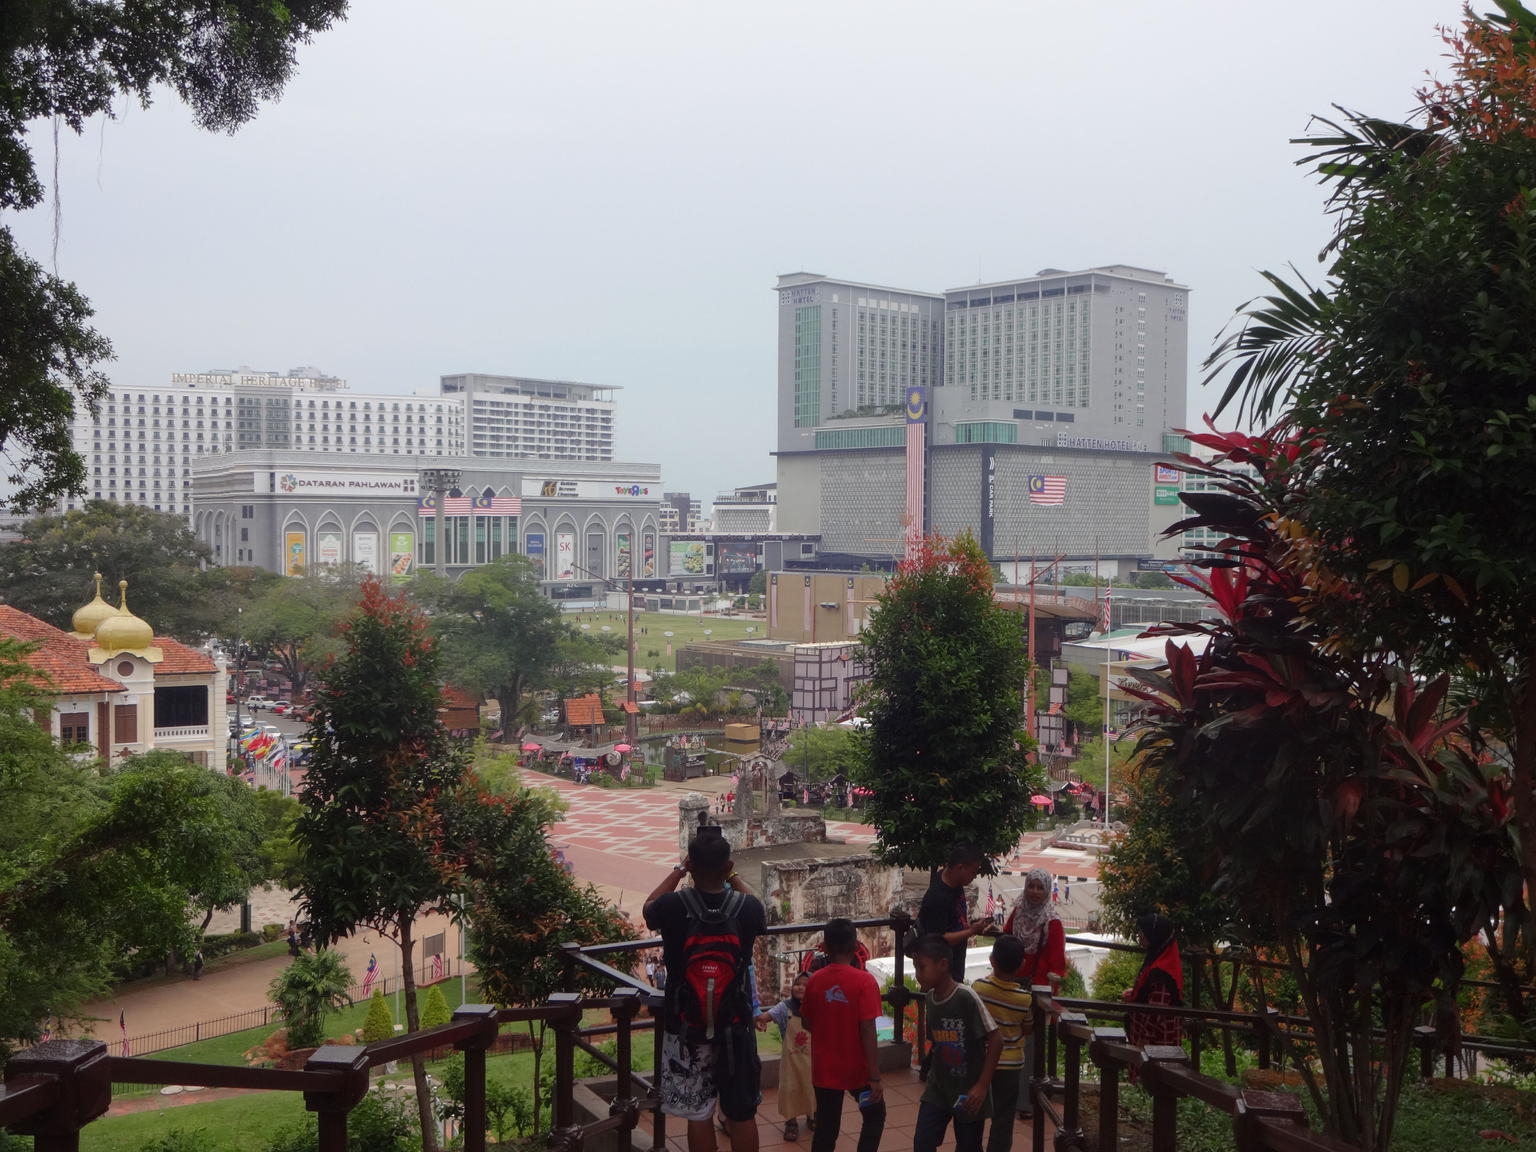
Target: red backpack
{"type": "Point", "coordinates": [710, 992]}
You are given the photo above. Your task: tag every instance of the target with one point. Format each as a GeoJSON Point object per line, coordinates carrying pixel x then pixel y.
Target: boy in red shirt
{"type": "Point", "coordinates": [840, 1006]}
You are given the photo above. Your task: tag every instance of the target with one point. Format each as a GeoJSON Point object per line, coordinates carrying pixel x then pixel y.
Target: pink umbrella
{"type": "Point", "coordinates": [1040, 801]}
{"type": "Point", "coordinates": [533, 747]}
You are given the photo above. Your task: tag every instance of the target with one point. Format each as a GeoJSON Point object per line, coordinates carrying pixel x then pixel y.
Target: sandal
{"type": "Point", "coordinates": [792, 1129]}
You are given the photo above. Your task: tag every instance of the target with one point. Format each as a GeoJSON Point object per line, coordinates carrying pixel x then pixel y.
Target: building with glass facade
{"type": "Point", "coordinates": [1061, 381]}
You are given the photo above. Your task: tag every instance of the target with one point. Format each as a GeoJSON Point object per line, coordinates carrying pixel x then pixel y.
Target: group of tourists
{"type": "Point", "coordinates": [977, 1068]}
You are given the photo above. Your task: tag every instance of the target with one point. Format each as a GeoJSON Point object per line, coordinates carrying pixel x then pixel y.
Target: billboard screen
{"type": "Point", "coordinates": [688, 558]}
{"type": "Point", "coordinates": [565, 556]}
{"type": "Point", "coordinates": [735, 559]}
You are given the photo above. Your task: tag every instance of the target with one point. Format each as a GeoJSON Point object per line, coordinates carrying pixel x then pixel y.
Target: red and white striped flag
{"type": "Point", "coordinates": [122, 1024]}
{"type": "Point", "coordinates": [371, 974]}
{"type": "Point", "coordinates": [1109, 591]}
{"type": "Point", "coordinates": [437, 966]}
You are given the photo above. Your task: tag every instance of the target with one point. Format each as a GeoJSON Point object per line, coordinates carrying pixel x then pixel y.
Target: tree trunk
{"type": "Point", "coordinates": [536, 1040]}
{"type": "Point", "coordinates": [1523, 778]}
{"type": "Point", "coordinates": [413, 1024]}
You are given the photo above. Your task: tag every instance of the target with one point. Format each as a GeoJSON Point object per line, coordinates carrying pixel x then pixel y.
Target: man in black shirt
{"type": "Point", "coordinates": [694, 1074]}
{"type": "Point", "coordinates": [944, 909]}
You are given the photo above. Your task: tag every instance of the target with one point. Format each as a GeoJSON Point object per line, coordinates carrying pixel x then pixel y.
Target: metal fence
{"type": "Point", "coordinates": [145, 1043]}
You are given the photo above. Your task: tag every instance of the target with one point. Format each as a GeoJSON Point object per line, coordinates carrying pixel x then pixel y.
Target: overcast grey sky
{"type": "Point", "coordinates": [606, 191]}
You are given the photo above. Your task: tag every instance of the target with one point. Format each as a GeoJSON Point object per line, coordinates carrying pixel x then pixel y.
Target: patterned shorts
{"type": "Point", "coordinates": [694, 1076]}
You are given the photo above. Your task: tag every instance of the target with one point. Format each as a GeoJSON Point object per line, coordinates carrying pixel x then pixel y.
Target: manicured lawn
{"type": "Point", "coordinates": [684, 629]}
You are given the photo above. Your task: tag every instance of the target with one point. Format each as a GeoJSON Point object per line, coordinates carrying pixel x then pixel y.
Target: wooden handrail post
{"type": "Point", "coordinates": [79, 1067]}
{"type": "Point", "coordinates": [565, 1016]}
{"type": "Point", "coordinates": [1070, 1134]}
{"type": "Point", "coordinates": [1193, 1026]}
{"type": "Point", "coordinates": [900, 995]}
{"type": "Point", "coordinates": [1109, 1086]}
{"type": "Point", "coordinates": [331, 1108]}
{"type": "Point", "coordinates": [626, 1007]}
{"type": "Point", "coordinates": [1253, 1105]}
{"type": "Point", "coordinates": [1165, 1104]}
{"type": "Point", "coordinates": [1424, 1040]}
{"type": "Point", "coordinates": [658, 1117]}
{"type": "Point", "coordinates": [474, 1049]}
{"type": "Point", "coordinates": [1040, 996]}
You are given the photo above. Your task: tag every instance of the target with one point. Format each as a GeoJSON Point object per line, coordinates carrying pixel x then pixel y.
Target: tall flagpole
{"type": "Point", "coordinates": [1108, 621]}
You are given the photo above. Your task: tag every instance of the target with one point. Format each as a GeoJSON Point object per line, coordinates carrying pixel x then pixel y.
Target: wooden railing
{"type": "Point", "coordinates": [1071, 1038]}
{"type": "Point", "coordinates": [54, 1089]}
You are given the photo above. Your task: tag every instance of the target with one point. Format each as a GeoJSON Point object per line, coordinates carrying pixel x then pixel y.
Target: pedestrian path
{"type": "Point", "coordinates": [640, 825]}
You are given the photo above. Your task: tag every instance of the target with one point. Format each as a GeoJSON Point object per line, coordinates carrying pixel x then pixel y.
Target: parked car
{"type": "Point", "coordinates": [279, 707]}
{"type": "Point", "coordinates": [257, 702]}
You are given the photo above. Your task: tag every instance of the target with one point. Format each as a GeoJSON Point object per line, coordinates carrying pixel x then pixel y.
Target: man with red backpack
{"type": "Point", "coordinates": [709, 1048]}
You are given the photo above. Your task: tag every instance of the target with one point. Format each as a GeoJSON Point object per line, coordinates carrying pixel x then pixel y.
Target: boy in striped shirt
{"type": "Point", "coordinates": [1010, 1005]}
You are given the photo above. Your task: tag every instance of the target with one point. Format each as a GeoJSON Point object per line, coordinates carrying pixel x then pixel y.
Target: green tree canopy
{"type": "Point", "coordinates": [502, 636]}
{"type": "Point", "coordinates": [1406, 380]}
{"type": "Point", "coordinates": [295, 619]}
{"type": "Point", "coordinates": [944, 752]}
{"type": "Point", "coordinates": [382, 771]}
{"type": "Point", "coordinates": [822, 753]}
{"type": "Point", "coordinates": [97, 864]}
{"type": "Point", "coordinates": [255, 824]}
{"type": "Point", "coordinates": [73, 61]}
{"type": "Point", "coordinates": [48, 571]}
{"type": "Point", "coordinates": [1340, 808]}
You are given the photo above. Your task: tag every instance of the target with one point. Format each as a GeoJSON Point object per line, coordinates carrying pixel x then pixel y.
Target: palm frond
{"type": "Point", "coordinates": [1279, 340]}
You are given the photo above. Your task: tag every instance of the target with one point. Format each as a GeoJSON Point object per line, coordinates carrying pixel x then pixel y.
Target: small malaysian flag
{"type": "Point", "coordinates": [1047, 489]}
{"type": "Point", "coordinates": [1109, 592]}
{"type": "Point", "coordinates": [371, 974]}
{"type": "Point", "coordinates": [437, 966]}
{"type": "Point", "coordinates": [122, 1024]}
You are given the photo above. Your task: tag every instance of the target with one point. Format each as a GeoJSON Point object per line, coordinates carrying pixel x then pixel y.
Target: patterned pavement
{"type": "Point", "coordinates": [625, 839]}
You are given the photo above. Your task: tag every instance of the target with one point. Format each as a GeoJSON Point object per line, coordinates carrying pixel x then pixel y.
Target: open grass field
{"type": "Point", "coordinates": [651, 629]}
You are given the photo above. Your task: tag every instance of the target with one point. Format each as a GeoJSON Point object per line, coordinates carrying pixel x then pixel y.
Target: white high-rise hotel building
{"type": "Point", "coordinates": [139, 446]}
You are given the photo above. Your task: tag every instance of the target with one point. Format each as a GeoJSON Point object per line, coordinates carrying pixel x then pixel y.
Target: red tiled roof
{"type": "Point", "coordinates": [179, 658]}
{"type": "Point", "coordinates": [458, 698]}
{"type": "Point", "coordinates": [58, 654]}
{"type": "Point", "coordinates": [631, 707]}
{"type": "Point", "coordinates": [584, 711]}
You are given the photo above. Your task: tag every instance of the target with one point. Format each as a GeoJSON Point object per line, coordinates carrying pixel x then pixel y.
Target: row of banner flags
{"type": "Point", "coordinates": [485, 504]}
{"type": "Point", "coordinates": [371, 973]}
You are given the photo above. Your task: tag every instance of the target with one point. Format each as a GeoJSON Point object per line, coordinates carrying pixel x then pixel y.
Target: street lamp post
{"type": "Point", "coordinates": [440, 481]}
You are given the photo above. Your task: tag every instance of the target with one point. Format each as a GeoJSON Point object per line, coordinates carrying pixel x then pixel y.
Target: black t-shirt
{"type": "Point", "coordinates": [943, 910]}
{"type": "Point", "coordinates": [667, 916]}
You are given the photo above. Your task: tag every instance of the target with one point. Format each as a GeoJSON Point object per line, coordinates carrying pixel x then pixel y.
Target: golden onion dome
{"type": "Point", "coordinates": [89, 617]}
{"type": "Point", "coordinates": [124, 632]}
